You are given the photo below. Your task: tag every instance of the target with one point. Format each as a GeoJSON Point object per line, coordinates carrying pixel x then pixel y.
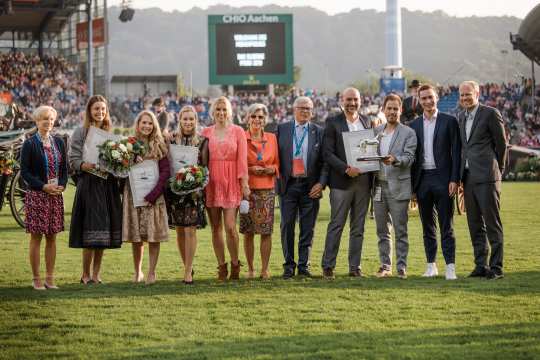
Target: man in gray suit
{"type": "Point", "coordinates": [349, 188]}
{"type": "Point", "coordinates": [483, 158]}
{"type": "Point", "coordinates": [392, 191]}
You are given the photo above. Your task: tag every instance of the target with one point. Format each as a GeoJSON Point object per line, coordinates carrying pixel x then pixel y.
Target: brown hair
{"type": "Point", "coordinates": [156, 144]}
{"type": "Point", "coordinates": [88, 120]}
{"type": "Point", "coordinates": [158, 102]}
{"type": "Point", "coordinates": [425, 87]}
{"type": "Point", "coordinates": [391, 97]}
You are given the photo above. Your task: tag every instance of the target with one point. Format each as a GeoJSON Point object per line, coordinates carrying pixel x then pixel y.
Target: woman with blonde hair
{"type": "Point", "coordinates": [96, 219]}
{"type": "Point", "coordinates": [186, 212]}
{"type": "Point", "coordinates": [147, 223]}
{"type": "Point", "coordinates": [228, 183]}
{"type": "Point", "coordinates": [263, 167]}
{"type": "Point", "coordinates": [44, 169]}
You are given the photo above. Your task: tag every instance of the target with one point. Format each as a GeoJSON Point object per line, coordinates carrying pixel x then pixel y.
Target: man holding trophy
{"type": "Point", "coordinates": [349, 184]}
{"type": "Point", "coordinates": [392, 191]}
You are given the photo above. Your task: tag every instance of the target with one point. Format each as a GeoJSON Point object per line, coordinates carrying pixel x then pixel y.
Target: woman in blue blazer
{"type": "Point", "coordinates": [44, 168]}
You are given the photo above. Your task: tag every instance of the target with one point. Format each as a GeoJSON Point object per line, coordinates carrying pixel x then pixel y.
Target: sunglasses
{"type": "Point", "coordinates": [260, 117]}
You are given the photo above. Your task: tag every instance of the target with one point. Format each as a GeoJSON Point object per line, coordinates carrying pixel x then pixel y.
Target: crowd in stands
{"type": "Point", "coordinates": [50, 80]}
{"type": "Point", "coordinates": [30, 81]}
{"type": "Point", "coordinates": [513, 100]}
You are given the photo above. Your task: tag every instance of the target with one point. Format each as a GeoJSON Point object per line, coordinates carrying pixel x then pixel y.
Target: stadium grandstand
{"type": "Point", "coordinates": [44, 56]}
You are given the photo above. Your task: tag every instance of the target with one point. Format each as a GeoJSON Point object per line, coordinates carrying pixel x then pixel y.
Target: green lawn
{"type": "Point", "coordinates": [297, 319]}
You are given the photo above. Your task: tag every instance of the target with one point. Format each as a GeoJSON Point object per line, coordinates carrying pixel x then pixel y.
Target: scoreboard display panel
{"type": "Point", "coordinates": [250, 49]}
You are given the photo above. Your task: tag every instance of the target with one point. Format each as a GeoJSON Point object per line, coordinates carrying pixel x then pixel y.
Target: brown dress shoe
{"type": "Point", "coordinates": [235, 271]}
{"type": "Point", "coordinates": [328, 274]}
{"type": "Point", "coordinates": [356, 273]}
{"type": "Point", "coordinates": [222, 272]}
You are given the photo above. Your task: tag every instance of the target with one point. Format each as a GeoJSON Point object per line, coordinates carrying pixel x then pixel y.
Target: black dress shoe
{"type": "Point", "coordinates": [478, 272]}
{"type": "Point", "coordinates": [494, 275]}
{"type": "Point", "coordinates": [187, 282]}
{"type": "Point", "coordinates": [288, 274]}
{"type": "Point", "coordinates": [304, 273]}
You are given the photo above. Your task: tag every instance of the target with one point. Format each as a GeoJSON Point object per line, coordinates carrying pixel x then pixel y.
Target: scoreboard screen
{"type": "Point", "coordinates": [250, 49]}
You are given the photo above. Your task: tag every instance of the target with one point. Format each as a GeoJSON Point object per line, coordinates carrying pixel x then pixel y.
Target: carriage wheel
{"type": "Point", "coordinates": [17, 192]}
{"type": "Point", "coordinates": [460, 201]}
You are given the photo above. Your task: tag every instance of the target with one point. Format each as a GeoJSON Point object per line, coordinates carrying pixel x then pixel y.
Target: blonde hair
{"type": "Point", "coordinates": [88, 120]}
{"type": "Point", "coordinates": [156, 144]}
{"type": "Point", "coordinates": [472, 84]}
{"type": "Point", "coordinates": [40, 112]}
{"type": "Point", "coordinates": [221, 100]}
{"type": "Point", "coordinates": [195, 138]}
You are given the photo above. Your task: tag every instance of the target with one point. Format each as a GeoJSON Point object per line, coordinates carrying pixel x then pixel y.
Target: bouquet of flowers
{"type": "Point", "coordinates": [189, 179]}
{"type": "Point", "coordinates": [8, 164]}
{"type": "Point", "coordinates": [117, 157]}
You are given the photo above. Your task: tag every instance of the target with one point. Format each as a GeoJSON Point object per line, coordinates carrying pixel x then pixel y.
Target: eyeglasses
{"type": "Point", "coordinates": [304, 108]}
{"type": "Point", "coordinates": [260, 117]}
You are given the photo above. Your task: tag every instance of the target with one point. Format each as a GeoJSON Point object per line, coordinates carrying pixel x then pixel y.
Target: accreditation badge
{"type": "Point", "coordinates": [298, 169]}
{"type": "Point", "coordinates": [53, 181]}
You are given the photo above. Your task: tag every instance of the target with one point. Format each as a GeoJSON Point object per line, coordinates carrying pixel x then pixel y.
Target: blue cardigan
{"type": "Point", "coordinates": [33, 165]}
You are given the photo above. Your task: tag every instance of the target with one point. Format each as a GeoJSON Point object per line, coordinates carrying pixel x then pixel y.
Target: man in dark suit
{"type": "Point", "coordinates": [349, 188]}
{"type": "Point", "coordinates": [436, 177]}
{"type": "Point", "coordinates": [482, 164]}
{"type": "Point", "coordinates": [411, 105]}
{"type": "Point", "coordinates": [303, 176]}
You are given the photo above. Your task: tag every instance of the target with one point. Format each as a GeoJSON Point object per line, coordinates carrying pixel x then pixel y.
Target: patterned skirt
{"type": "Point", "coordinates": [146, 223]}
{"type": "Point", "coordinates": [187, 210]}
{"type": "Point", "coordinates": [260, 219]}
{"type": "Point", "coordinates": [44, 213]}
{"type": "Point", "coordinates": [96, 219]}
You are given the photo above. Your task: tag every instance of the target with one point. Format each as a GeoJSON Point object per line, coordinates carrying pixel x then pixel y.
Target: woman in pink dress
{"type": "Point", "coordinates": [228, 183]}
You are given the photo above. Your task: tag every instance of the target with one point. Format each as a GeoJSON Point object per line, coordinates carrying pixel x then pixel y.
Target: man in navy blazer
{"type": "Point", "coordinates": [303, 176]}
{"type": "Point", "coordinates": [436, 178]}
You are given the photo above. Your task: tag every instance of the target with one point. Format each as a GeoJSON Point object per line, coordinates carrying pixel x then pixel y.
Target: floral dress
{"type": "Point", "coordinates": [44, 212]}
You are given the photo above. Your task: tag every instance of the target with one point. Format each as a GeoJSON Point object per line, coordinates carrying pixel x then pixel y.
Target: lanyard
{"type": "Point", "coordinates": [45, 157]}
{"type": "Point", "coordinates": [298, 143]}
{"type": "Point", "coordinates": [257, 150]}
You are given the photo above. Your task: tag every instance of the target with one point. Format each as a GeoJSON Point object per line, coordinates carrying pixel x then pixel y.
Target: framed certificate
{"type": "Point", "coordinates": [94, 138]}
{"type": "Point", "coordinates": [181, 156]}
{"type": "Point", "coordinates": [143, 177]}
{"type": "Point", "coordinates": [362, 150]}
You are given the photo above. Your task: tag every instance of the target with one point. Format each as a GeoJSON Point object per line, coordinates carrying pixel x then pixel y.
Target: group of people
{"type": "Point", "coordinates": [427, 160]}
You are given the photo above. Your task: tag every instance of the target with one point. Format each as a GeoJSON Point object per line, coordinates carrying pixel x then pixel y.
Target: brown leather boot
{"type": "Point", "coordinates": [222, 272]}
{"type": "Point", "coordinates": [235, 271]}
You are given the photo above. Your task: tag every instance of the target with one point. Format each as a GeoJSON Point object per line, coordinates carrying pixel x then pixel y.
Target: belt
{"type": "Point", "coordinates": [298, 179]}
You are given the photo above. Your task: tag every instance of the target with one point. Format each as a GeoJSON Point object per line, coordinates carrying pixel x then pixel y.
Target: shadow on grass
{"type": "Point", "coordinates": [513, 284]}
{"type": "Point", "coordinates": [499, 341]}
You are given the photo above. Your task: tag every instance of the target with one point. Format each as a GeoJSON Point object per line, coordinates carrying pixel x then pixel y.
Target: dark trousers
{"type": "Point", "coordinates": [482, 202]}
{"type": "Point", "coordinates": [296, 204]}
{"type": "Point", "coordinates": [433, 198]}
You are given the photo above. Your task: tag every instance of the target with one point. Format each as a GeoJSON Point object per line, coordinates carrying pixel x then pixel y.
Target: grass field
{"type": "Point", "coordinates": [297, 319]}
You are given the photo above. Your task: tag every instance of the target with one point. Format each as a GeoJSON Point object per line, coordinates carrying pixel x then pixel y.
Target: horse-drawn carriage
{"type": "Point", "coordinates": [12, 186]}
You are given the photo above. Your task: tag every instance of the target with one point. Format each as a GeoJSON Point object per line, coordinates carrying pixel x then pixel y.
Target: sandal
{"type": "Point", "coordinates": [37, 287]}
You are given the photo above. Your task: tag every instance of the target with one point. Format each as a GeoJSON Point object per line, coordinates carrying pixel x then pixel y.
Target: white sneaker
{"type": "Point", "coordinates": [431, 270]}
{"type": "Point", "coordinates": [451, 272]}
